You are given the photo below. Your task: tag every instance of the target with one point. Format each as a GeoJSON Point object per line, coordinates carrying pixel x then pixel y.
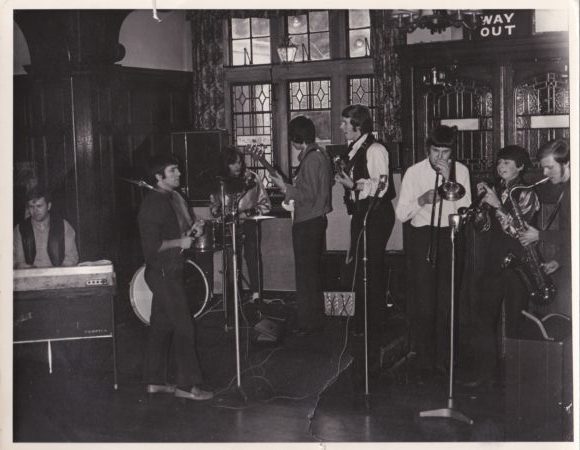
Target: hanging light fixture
{"type": "Point", "coordinates": [434, 20]}
{"type": "Point", "coordinates": [287, 50]}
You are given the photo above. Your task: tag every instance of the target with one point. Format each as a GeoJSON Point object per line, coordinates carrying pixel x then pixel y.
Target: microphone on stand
{"type": "Point", "coordinates": [455, 221]}
{"type": "Point", "coordinates": [139, 183]}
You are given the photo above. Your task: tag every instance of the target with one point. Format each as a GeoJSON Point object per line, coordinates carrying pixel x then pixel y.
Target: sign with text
{"type": "Point", "coordinates": [503, 24]}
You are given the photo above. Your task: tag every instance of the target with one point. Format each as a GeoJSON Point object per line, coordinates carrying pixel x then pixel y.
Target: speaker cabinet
{"type": "Point", "coordinates": [538, 389]}
{"type": "Point", "coordinates": [199, 153]}
{"type": "Point", "coordinates": [62, 314]}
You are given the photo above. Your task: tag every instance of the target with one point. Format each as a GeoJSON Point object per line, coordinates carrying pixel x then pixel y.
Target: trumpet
{"type": "Point", "coordinates": [449, 190]}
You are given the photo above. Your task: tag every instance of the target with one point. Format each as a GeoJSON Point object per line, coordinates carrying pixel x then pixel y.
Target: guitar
{"type": "Point", "coordinates": [341, 167]}
{"type": "Point", "coordinates": [257, 153]}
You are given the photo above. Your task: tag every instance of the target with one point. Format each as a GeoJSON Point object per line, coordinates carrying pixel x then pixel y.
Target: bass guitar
{"type": "Point", "coordinates": [257, 153]}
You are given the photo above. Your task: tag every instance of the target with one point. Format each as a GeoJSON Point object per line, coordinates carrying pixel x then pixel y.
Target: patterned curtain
{"type": "Point", "coordinates": [208, 54]}
{"type": "Point", "coordinates": [387, 75]}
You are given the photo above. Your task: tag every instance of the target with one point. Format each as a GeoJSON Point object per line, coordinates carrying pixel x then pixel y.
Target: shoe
{"type": "Point", "coordinates": [194, 394]}
{"type": "Point", "coordinates": [160, 389]}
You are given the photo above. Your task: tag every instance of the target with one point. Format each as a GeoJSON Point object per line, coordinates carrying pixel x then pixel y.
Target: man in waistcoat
{"type": "Point", "coordinates": [44, 239]}
{"type": "Point", "coordinates": [369, 188]}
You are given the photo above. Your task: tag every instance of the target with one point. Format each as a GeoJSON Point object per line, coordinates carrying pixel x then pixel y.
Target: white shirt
{"type": "Point", "coordinates": [418, 179]}
{"type": "Point", "coordinates": [377, 165]}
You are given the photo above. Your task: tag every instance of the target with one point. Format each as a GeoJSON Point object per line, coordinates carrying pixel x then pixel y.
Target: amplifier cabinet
{"type": "Point", "coordinates": [538, 389]}
{"type": "Point", "coordinates": [63, 314]}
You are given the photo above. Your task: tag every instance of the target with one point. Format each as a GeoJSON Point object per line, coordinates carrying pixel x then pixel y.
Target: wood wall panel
{"type": "Point", "coordinates": [120, 117]}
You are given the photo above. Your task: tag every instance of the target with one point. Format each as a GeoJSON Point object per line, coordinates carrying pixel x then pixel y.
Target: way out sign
{"type": "Point", "coordinates": [503, 24]}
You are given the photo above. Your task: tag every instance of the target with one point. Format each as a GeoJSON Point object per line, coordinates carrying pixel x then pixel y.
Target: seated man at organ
{"type": "Point", "coordinates": [44, 238]}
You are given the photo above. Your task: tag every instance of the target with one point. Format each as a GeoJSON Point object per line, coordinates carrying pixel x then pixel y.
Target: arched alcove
{"type": "Point", "coordinates": [21, 53]}
{"type": "Point", "coordinates": [156, 45]}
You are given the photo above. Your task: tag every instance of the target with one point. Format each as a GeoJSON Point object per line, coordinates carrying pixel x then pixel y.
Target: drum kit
{"type": "Point", "coordinates": [215, 237]}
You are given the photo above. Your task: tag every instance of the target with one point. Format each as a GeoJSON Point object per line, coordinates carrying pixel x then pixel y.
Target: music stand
{"type": "Point", "coordinates": [450, 411]}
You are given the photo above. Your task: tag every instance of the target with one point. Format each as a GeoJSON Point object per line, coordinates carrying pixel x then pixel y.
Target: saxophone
{"type": "Point", "coordinates": [540, 286]}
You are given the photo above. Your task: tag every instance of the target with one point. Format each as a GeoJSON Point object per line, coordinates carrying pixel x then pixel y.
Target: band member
{"type": "Point", "coordinates": [255, 201]}
{"type": "Point", "coordinates": [555, 162]}
{"type": "Point", "coordinates": [43, 239]}
{"type": "Point", "coordinates": [495, 283]}
{"type": "Point", "coordinates": [165, 224]}
{"type": "Point", "coordinates": [312, 197]}
{"type": "Point", "coordinates": [429, 294]}
{"type": "Point", "coordinates": [367, 161]}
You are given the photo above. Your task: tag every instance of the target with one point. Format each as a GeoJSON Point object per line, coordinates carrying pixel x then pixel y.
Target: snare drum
{"type": "Point", "coordinates": [196, 289]}
{"type": "Point", "coordinates": [208, 242]}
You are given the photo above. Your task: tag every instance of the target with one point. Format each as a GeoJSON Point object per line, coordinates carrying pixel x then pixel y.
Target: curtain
{"type": "Point", "coordinates": [384, 39]}
{"type": "Point", "coordinates": [208, 54]}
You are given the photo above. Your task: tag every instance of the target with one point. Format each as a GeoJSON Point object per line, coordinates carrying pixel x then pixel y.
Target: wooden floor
{"type": "Point", "coordinates": [301, 389]}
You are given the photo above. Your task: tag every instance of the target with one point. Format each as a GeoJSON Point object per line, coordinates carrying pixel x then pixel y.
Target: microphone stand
{"type": "Point", "coordinates": [235, 198]}
{"type": "Point", "coordinates": [224, 253]}
{"type": "Point", "coordinates": [380, 187]}
{"type": "Point", "coordinates": [450, 411]}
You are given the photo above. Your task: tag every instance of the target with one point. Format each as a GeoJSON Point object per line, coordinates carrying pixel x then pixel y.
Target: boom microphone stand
{"type": "Point", "coordinates": [450, 411]}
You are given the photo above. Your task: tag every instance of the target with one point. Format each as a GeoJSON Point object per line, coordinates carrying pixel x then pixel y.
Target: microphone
{"type": "Point", "coordinates": [455, 221]}
{"type": "Point", "coordinates": [139, 183]}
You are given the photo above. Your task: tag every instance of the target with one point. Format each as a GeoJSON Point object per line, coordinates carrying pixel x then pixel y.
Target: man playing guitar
{"type": "Point", "coordinates": [312, 195]}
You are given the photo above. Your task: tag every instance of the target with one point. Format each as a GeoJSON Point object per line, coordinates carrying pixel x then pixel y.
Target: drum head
{"type": "Point", "coordinates": [141, 296]}
{"type": "Point", "coordinates": [196, 289]}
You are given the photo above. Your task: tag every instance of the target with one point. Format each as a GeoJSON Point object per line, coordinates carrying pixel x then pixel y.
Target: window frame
{"type": "Point", "coordinates": [338, 69]}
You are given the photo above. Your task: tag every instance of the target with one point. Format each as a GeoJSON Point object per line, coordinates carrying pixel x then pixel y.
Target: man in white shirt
{"type": "Point", "coordinates": [429, 281]}
{"type": "Point", "coordinates": [367, 165]}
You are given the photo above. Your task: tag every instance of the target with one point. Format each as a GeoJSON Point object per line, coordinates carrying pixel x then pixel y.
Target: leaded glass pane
{"type": "Point", "coordinates": [297, 24]}
{"type": "Point", "coordinates": [240, 28]}
{"type": "Point", "coordinates": [252, 119]}
{"type": "Point", "coordinates": [318, 21]}
{"type": "Point", "coordinates": [319, 46]}
{"type": "Point", "coordinates": [359, 42]}
{"type": "Point", "coordinates": [261, 51]}
{"type": "Point", "coordinates": [359, 18]}
{"type": "Point", "coordinates": [260, 27]}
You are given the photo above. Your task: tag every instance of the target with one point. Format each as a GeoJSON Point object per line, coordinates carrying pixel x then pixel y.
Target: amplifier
{"type": "Point", "coordinates": [63, 314]}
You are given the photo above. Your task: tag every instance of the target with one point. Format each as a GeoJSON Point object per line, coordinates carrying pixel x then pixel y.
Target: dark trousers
{"type": "Point", "coordinates": [308, 239]}
{"type": "Point", "coordinates": [429, 297]}
{"type": "Point", "coordinates": [379, 227]}
{"type": "Point", "coordinates": [171, 327]}
{"type": "Point", "coordinates": [497, 289]}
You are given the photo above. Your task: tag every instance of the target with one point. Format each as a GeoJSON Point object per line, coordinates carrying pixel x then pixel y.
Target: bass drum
{"type": "Point", "coordinates": [196, 289]}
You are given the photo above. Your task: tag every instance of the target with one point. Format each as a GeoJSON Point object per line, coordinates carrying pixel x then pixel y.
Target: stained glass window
{"type": "Point", "coordinates": [252, 122]}
{"type": "Point", "coordinates": [311, 98]}
{"type": "Point", "coordinates": [361, 90]}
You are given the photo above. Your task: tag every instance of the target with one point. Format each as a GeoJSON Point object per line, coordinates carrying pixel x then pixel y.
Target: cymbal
{"type": "Point", "coordinates": [260, 217]}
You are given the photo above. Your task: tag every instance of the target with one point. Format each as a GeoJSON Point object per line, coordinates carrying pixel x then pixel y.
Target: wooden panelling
{"type": "Point", "coordinates": [81, 133]}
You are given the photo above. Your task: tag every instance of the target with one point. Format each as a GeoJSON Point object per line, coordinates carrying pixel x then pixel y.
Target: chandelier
{"type": "Point", "coordinates": [434, 20]}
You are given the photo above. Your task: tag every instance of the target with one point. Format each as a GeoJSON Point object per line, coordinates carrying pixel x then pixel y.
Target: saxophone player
{"type": "Point", "coordinates": [493, 284]}
{"type": "Point", "coordinates": [554, 158]}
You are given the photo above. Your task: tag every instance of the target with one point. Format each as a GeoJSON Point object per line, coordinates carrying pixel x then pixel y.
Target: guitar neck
{"type": "Point", "coordinates": [270, 168]}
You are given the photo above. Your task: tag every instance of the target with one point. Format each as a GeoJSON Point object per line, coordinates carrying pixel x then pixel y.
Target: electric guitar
{"type": "Point", "coordinates": [258, 155]}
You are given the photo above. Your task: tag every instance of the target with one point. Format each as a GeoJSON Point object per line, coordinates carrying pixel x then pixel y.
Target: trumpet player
{"type": "Point", "coordinates": [554, 159]}
{"type": "Point", "coordinates": [428, 242]}
{"type": "Point", "coordinates": [493, 284]}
